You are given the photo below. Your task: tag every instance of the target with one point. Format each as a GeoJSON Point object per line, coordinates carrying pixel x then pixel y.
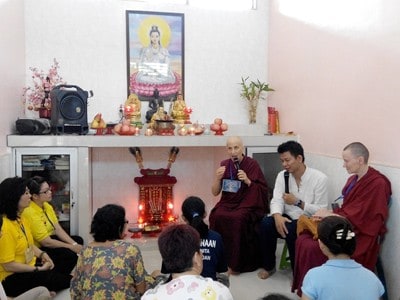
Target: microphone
{"type": "Point", "coordinates": [236, 163]}
{"type": "Point", "coordinates": [286, 175]}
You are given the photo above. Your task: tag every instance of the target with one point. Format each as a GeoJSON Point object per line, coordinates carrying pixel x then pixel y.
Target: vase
{"type": "Point", "coordinates": [253, 110]}
{"type": "Point", "coordinates": [44, 113]}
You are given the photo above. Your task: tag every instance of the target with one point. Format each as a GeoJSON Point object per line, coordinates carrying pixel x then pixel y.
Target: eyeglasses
{"type": "Point", "coordinates": [45, 192]}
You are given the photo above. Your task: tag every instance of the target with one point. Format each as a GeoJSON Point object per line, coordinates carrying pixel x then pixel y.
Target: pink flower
{"type": "Point", "coordinates": [37, 96]}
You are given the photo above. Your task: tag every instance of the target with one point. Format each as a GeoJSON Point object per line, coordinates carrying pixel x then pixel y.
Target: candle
{"type": "Point", "coordinates": [148, 132]}
{"type": "Point", "coordinates": [192, 130]}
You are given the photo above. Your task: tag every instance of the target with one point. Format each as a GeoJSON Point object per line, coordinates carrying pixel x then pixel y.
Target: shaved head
{"type": "Point", "coordinates": [234, 140]}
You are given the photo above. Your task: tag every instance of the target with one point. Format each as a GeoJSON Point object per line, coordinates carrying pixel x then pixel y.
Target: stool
{"type": "Point", "coordinates": [285, 259]}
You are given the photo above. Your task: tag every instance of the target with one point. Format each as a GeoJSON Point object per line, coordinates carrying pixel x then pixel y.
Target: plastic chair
{"type": "Point", "coordinates": [285, 259]}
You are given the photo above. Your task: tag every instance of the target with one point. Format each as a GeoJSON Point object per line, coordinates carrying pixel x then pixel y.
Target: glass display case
{"type": "Point", "coordinates": [59, 167]}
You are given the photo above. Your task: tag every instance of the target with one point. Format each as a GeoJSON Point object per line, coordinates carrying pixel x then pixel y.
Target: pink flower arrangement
{"type": "Point", "coordinates": [37, 96]}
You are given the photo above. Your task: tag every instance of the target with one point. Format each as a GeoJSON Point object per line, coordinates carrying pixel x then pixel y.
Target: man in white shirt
{"type": "Point", "coordinates": [298, 190]}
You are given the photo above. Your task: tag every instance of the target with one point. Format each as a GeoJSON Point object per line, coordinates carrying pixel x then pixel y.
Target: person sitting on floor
{"type": "Point", "coordinates": [299, 190]}
{"type": "Point", "coordinates": [211, 245]}
{"type": "Point", "coordinates": [365, 204]}
{"type": "Point", "coordinates": [109, 267]}
{"type": "Point", "coordinates": [243, 203]}
{"type": "Point", "coordinates": [18, 269]}
{"type": "Point", "coordinates": [47, 231]}
{"type": "Point", "coordinates": [38, 293]}
{"type": "Point", "coordinates": [179, 246]}
{"type": "Point", "coordinates": [340, 277]}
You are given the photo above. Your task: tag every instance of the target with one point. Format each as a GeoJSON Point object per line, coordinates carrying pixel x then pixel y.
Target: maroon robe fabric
{"type": "Point", "coordinates": [366, 207]}
{"type": "Point", "coordinates": [237, 215]}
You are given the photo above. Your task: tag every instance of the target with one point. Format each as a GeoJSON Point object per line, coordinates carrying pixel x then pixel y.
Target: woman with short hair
{"type": "Point", "coordinates": [179, 246]}
{"type": "Point", "coordinates": [109, 267]}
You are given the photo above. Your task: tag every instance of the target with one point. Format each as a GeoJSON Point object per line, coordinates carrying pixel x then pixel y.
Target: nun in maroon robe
{"type": "Point", "coordinates": [237, 215]}
{"type": "Point", "coordinates": [365, 205]}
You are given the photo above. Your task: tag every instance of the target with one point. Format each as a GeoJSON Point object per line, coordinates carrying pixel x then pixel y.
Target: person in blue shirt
{"type": "Point", "coordinates": [211, 245]}
{"type": "Point", "coordinates": [340, 277]}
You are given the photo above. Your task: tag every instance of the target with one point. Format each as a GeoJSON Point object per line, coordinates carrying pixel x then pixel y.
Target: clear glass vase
{"type": "Point", "coordinates": [253, 111]}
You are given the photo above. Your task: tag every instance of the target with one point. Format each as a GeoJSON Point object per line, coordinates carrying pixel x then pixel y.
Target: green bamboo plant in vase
{"type": "Point", "coordinates": [251, 91]}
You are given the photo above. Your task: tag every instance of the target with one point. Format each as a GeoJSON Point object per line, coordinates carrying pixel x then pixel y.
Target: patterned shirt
{"type": "Point", "coordinates": [189, 287]}
{"type": "Point", "coordinates": [108, 272]}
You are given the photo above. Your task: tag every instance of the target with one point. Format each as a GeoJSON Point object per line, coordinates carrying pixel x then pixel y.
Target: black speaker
{"type": "Point", "coordinates": [69, 109]}
{"type": "Point", "coordinates": [33, 126]}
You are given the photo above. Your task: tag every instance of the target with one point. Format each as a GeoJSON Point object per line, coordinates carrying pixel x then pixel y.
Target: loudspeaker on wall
{"type": "Point", "coordinates": [69, 109]}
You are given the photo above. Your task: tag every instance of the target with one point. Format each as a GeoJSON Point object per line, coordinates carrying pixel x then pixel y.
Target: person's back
{"type": "Point", "coordinates": [213, 256]}
{"type": "Point", "coordinates": [340, 277]}
{"type": "Point", "coordinates": [211, 244]}
{"type": "Point", "coordinates": [99, 274]}
{"type": "Point", "coordinates": [189, 287]}
{"type": "Point", "coordinates": [179, 246]}
{"type": "Point", "coordinates": [109, 267]}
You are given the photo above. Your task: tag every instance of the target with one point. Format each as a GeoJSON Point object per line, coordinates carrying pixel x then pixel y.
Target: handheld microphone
{"type": "Point", "coordinates": [286, 175]}
{"type": "Point", "coordinates": [236, 163]}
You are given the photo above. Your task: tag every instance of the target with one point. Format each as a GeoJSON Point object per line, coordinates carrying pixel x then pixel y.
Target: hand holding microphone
{"type": "Point", "coordinates": [236, 163]}
{"type": "Point", "coordinates": [286, 176]}
{"type": "Point", "coordinates": [242, 176]}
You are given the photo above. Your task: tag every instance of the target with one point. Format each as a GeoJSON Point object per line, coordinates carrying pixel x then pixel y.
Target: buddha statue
{"type": "Point", "coordinates": [160, 114]}
{"type": "Point", "coordinates": [179, 112]}
{"type": "Point", "coordinates": [132, 110]}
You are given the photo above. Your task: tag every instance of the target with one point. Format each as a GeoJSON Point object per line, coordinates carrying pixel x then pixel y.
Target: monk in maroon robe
{"type": "Point", "coordinates": [365, 205]}
{"type": "Point", "coordinates": [243, 203]}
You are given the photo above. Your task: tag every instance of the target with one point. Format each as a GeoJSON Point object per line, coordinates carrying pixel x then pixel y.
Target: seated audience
{"type": "Point", "coordinates": [39, 292]}
{"type": "Point", "coordinates": [243, 203]}
{"type": "Point", "coordinates": [211, 245]}
{"type": "Point", "coordinates": [299, 190]}
{"type": "Point", "coordinates": [179, 246]}
{"type": "Point", "coordinates": [340, 277]}
{"type": "Point", "coordinates": [18, 270]}
{"type": "Point", "coordinates": [109, 267]}
{"type": "Point", "coordinates": [47, 232]}
{"type": "Point", "coordinates": [365, 204]}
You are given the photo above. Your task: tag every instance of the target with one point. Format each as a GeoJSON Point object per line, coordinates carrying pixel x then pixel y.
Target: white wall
{"type": "Point", "coordinates": [12, 66]}
{"type": "Point", "coordinates": [335, 66]}
{"type": "Point", "coordinates": [90, 45]}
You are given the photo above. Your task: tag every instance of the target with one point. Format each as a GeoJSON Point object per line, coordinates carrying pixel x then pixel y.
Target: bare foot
{"type": "Point", "coordinates": [231, 272]}
{"type": "Point", "coordinates": [264, 274]}
{"type": "Point", "coordinates": [155, 273]}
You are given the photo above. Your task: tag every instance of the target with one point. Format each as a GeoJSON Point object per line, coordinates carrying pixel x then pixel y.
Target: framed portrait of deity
{"type": "Point", "coordinates": [155, 54]}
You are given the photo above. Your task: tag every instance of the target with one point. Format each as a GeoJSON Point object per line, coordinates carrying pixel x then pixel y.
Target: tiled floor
{"type": "Point", "coordinates": [244, 286]}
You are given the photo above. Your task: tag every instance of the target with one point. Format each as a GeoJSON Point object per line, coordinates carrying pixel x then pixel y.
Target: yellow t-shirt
{"type": "Point", "coordinates": [42, 226]}
{"type": "Point", "coordinates": [15, 240]}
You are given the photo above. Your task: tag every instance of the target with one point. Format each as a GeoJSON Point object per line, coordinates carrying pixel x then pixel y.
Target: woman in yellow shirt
{"type": "Point", "coordinates": [18, 269]}
{"type": "Point", "coordinates": [47, 233]}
